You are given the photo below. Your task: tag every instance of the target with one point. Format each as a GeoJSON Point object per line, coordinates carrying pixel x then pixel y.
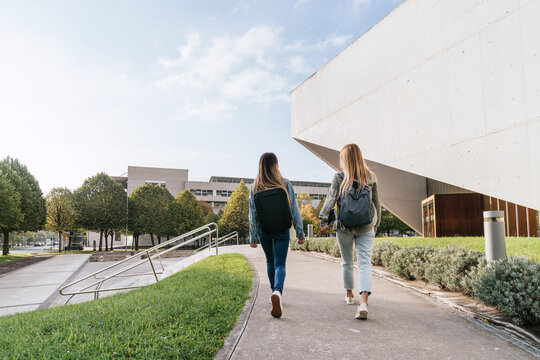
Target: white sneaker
{"type": "Point", "coordinates": [277, 309]}
{"type": "Point", "coordinates": [361, 312]}
{"type": "Point", "coordinates": [349, 300]}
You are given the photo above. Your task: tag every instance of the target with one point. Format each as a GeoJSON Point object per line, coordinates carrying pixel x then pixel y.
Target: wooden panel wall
{"type": "Point", "coordinates": [522, 220]}
{"type": "Point", "coordinates": [512, 223]}
{"type": "Point", "coordinates": [459, 214]}
{"type": "Point", "coordinates": [533, 222]}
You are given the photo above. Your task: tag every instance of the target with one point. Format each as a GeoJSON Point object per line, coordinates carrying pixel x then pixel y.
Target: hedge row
{"type": "Point", "coordinates": [512, 284]}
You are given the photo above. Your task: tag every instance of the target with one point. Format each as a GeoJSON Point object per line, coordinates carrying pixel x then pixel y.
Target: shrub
{"type": "Point", "coordinates": [325, 244]}
{"type": "Point", "coordinates": [449, 265]}
{"type": "Point", "coordinates": [293, 244]}
{"type": "Point", "coordinates": [382, 253]}
{"type": "Point", "coordinates": [313, 244]}
{"type": "Point", "coordinates": [333, 247]}
{"type": "Point", "coordinates": [513, 285]}
{"type": "Point", "coordinates": [409, 262]}
{"type": "Point", "coordinates": [467, 282]}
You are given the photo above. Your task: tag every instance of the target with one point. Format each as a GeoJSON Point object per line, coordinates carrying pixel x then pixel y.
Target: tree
{"type": "Point", "coordinates": [190, 212]}
{"type": "Point", "coordinates": [149, 212]}
{"type": "Point", "coordinates": [209, 216]}
{"type": "Point", "coordinates": [309, 216]}
{"type": "Point", "coordinates": [390, 223]}
{"type": "Point", "coordinates": [10, 209]}
{"type": "Point", "coordinates": [320, 206]}
{"type": "Point", "coordinates": [61, 215]}
{"type": "Point", "coordinates": [32, 203]}
{"type": "Point", "coordinates": [100, 204]}
{"type": "Point", "coordinates": [304, 199]}
{"type": "Point", "coordinates": [236, 212]}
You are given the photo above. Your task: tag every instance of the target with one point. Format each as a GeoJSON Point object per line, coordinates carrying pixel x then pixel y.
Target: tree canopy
{"type": "Point", "coordinates": [10, 205]}
{"type": "Point", "coordinates": [32, 203]}
{"type": "Point", "coordinates": [149, 211]}
{"type": "Point", "coordinates": [236, 212]}
{"type": "Point", "coordinates": [190, 214]}
{"type": "Point", "coordinates": [304, 199]}
{"type": "Point", "coordinates": [389, 223]}
{"type": "Point", "coordinates": [100, 204]}
{"type": "Point", "coordinates": [309, 216]}
{"type": "Point", "coordinates": [61, 215]}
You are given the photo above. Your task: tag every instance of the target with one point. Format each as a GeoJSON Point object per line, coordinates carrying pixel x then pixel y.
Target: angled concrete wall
{"type": "Point", "coordinates": [447, 90]}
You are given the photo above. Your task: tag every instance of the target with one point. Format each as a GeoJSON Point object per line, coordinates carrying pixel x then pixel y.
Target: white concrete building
{"type": "Point", "coordinates": [442, 97]}
{"type": "Point", "coordinates": [216, 191]}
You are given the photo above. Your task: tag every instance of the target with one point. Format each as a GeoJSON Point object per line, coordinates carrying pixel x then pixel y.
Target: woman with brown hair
{"type": "Point", "coordinates": [272, 211]}
{"type": "Point", "coordinates": [359, 214]}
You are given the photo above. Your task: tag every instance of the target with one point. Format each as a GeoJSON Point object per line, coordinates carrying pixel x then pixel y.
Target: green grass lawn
{"type": "Point", "coordinates": [529, 247]}
{"type": "Point", "coordinates": [186, 316]}
{"type": "Point", "coordinates": [11, 257]}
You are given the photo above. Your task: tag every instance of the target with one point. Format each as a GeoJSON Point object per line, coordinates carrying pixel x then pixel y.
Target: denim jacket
{"type": "Point", "coordinates": [331, 200]}
{"type": "Point", "coordinates": [254, 226]}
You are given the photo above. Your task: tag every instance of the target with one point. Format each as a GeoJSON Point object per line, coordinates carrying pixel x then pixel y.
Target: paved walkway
{"type": "Point", "coordinates": [316, 323]}
{"type": "Point", "coordinates": [28, 288]}
{"type": "Point", "coordinates": [36, 286]}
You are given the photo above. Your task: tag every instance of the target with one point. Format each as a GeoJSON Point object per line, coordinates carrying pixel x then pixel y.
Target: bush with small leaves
{"type": "Point", "coordinates": [512, 284]}
{"type": "Point", "coordinates": [449, 265]}
{"type": "Point", "coordinates": [333, 248]}
{"type": "Point", "coordinates": [466, 283]}
{"type": "Point", "coordinates": [313, 244]}
{"type": "Point", "coordinates": [382, 253]}
{"type": "Point", "coordinates": [293, 244]}
{"type": "Point", "coordinates": [409, 262]}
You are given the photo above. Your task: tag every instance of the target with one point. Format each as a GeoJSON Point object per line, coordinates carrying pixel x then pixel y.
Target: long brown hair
{"type": "Point", "coordinates": [354, 167]}
{"type": "Point", "coordinates": [269, 176]}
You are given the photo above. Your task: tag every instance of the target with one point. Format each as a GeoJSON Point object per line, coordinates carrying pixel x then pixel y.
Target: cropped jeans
{"type": "Point", "coordinates": [275, 248]}
{"type": "Point", "coordinates": [364, 245]}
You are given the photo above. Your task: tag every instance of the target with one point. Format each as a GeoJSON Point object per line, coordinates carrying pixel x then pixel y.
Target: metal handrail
{"type": "Point", "coordinates": [229, 236]}
{"type": "Point", "coordinates": [209, 229]}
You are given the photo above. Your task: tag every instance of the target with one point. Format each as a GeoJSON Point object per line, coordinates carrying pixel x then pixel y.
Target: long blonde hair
{"type": "Point", "coordinates": [354, 167]}
{"type": "Point", "coordinates": [269, 176]}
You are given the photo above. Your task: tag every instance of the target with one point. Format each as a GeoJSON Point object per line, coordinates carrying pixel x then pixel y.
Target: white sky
{"type": "Point", "coordinates": [91, 86]}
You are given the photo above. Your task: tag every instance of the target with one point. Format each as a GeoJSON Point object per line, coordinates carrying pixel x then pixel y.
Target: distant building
{"type": "Point", "coordinates": [215, 192]}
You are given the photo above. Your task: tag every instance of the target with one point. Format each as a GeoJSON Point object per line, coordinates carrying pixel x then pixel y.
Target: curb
{"type": "Point", "coordinates": [510, 332]}
{"type": "Point", "coordinates": [230, 343]}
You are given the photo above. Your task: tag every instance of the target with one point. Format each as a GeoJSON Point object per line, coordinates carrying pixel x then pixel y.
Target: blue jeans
{"type": "Point", "coordinates": [275, 248]}
{"type": "Point", "coordinates": [364, 245]}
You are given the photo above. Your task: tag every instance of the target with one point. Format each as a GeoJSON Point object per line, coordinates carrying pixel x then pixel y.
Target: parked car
{"type": "Point", "coordinates": [74, 246]}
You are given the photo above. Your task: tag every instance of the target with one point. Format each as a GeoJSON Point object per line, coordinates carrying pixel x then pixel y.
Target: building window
{"type": "Point", "coordinates": [224, 192]}
{"type": "Point", "coordinates": [317, 196]}
{"type": "Point", "coordinates": [156, 182]}
{"type": "Point", "coordinates": [202, 192]}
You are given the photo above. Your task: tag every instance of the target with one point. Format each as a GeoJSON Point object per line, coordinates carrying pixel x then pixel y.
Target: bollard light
{"type": "Point", "coordinates": [494, 235]}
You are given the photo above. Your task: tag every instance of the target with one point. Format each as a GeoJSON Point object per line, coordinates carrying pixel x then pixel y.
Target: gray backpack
{"type": "Point", "coordinates": [354, 208]}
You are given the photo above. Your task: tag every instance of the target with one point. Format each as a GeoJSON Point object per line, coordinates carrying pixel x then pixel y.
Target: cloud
{"type": "Point", "coordinates": [212, 77]}
{"type": "Point", "coordinates": [206, 111]}
{"type": "Point", "coordinates": [300, 3]}
{"type": "Point", "coordinates": [241, 6]}
{"type": "Point", "coordinates": [358, 7]}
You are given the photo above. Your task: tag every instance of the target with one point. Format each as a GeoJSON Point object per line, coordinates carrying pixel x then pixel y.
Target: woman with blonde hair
{"type": "Point", "coordinates": [272, 211]}
{"type": "Point", "coordinates": [359, 214]}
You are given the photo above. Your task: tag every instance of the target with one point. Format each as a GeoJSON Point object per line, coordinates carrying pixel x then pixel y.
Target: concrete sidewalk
{"type": "Point", "coordinates": [28, 288]}
{"type": "Point", "coordinates": [36, 286]}
{"type": "Point", "coordinates": [316, 323]}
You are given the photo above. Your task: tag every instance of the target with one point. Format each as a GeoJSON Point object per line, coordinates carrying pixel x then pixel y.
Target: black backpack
{"type": "Point", "coordinates": [354, 209]}
{"type": "Point", "coordinates": [273, 210]}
